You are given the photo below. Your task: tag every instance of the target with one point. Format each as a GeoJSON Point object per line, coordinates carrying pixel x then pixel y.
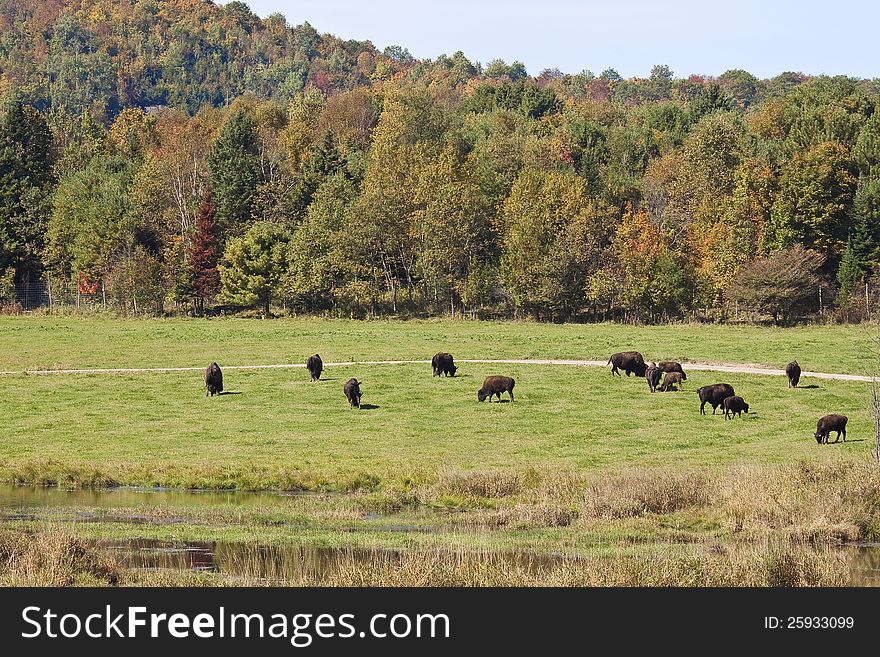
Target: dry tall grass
{"type": "Point", "coordinates": [53, 557]}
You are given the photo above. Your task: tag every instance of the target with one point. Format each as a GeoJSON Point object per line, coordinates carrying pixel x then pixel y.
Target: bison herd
{"type": "Point", "coordinates": [718, 394]}
{"type": "Point", "coordinates": [631, 362]}
{"type": "Point", "coordinates": [442, 365]}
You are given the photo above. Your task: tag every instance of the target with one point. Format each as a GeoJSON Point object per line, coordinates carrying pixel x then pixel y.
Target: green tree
{"type": "Point", "coordinates": [93, 220]}
{"type": "Point", "coordinates": [254, 265]}
{"type": "Point", "coordinates": [865, 220]}
{"type": "Point", "coordinates": [813, 205]}
{"type": "Point", "coordinates": [849, 273]}
{"type": "Point", "coordinates": [234, 166]}
{"type": "Point", "coordinates": [25, 184]}
{"type": "Point", "coordinates": [552, 235]}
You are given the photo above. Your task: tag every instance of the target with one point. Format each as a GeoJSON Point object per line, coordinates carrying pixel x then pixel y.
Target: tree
{"type": "Point", "coordinates": [865, 220]}
{"type": "Point", "coordinates": [254, 265]}
{"type": "Point", "coordinates": [813, 205]}
{"type": "Point", "coordinates": [849, 273]}
{"type": "Point", "coordinates": [234, 165]}
{"type": "Point", "coordinates": [203, 254]}
{"type": "Point", "coordinates": [551, 236]}
{"type": "Point", "coordinates": [783, 285]}
{"type": "Point", "coordinates": [25, 183]}
{"type": "Point", "coordinates": [739, 84]}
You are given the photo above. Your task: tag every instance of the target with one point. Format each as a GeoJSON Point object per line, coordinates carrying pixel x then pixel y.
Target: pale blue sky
{"type": "Point", "coordinates": [764, 37]}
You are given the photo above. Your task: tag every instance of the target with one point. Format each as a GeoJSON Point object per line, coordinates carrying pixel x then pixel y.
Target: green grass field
{"type": "Point", "coordinates": [278, 430]}
{"type": "Point", "coordinates": [582, 463]}
{"type": "Point", "coordinates": [50, 342]}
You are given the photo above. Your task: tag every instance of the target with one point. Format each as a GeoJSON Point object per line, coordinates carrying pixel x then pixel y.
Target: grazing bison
{"type": "Point", "coordinates": [315, 366]}
{"type": "Point", "coordinates": [793, 372]}
{"type": "Point", "coordinates": [830, 423]}
{"type": "Point", "coordinates": [653, 374]}
{"type": "Point", "coordinates": [213, 380]}
{"type": "Point", "coordinates": [495, 385]}
{"type": "Point", "coordinates": [671, 378]}
{"type": "Point", "coordinates": [630, 362]}
{"type": "Point", "coordinates": [714, 394]}
{"type": "Point", "coordinates": [672, 366]}
{"type": "Point", "coordinates": [352, 390]}
{"type": "Point", "coordinates": [734, 405]}
{"type": "Point", "coordinates": [443, 365]}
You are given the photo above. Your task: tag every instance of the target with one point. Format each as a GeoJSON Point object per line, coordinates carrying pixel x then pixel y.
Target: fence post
{"type": "Point", "coordinates": [867, 302]}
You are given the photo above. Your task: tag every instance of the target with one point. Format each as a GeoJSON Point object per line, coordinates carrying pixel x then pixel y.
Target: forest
{"type": "Point", "coordinates": [181, 157]}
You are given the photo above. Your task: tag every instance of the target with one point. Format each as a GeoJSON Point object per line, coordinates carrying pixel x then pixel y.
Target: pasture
{"type": "Point", "coordinates": [276, 429]}
{"type": "Point", "coordinates": [582, 463]}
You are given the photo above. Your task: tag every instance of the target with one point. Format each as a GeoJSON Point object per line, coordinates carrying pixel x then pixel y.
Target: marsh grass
{"type": "Point", "coordinates": [57, 558]}
{"type": "Point", "coordinates": [52, 557]}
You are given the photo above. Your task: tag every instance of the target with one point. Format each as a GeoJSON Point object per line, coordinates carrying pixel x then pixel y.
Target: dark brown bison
{"type": "Point", "coordinates": [734, 405]}
{"type": "Point", "coordinates": [352, 390]}
{"type": "Point", "coordinates": [672, 366]}
{"type": "Point", "coordinates": [443, 365]}
{"type": "Point", "coordinates": [653, 374]}
{"type": "Point", "coordinates": [495, 385]}
{"type": "Point", "coordinates": [830, 423]}
{"type": "Point", "coordinates": [671, 379]}
{"type": "Point", "coordinates": [213, 380]}
{"type": "Point", "coordinates": [793, 372]}
{"type": "Point", "coordinates": [630, 362]}
{"type": "Point", "coordinates": [315, 366]}
{"type": "Point", "coordinates": [714, 394]}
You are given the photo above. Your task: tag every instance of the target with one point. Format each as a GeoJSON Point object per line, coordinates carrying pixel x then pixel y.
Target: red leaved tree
{"type": "Point", "coordinates": [203, 253]}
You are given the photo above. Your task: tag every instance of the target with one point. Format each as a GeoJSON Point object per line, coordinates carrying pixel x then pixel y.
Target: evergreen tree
{"type": "Point", "coordinates": [865, 218]}
{"type": "Point", "coordinates": [203, 253]}
{"type": "Point", "coordinates": [234, 165]}
{"type": "Point", "coordinates": [25, 180]}
{"type": "Point", "coordinates": [323, 163]}
{"type": "Point", "coordinates": [849, 273]}
{"type": "Point", "coordinates": [255, 265]}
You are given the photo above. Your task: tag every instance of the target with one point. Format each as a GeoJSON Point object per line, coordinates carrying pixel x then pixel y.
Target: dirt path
{"type": "Point", "coordinates": [708, 367]}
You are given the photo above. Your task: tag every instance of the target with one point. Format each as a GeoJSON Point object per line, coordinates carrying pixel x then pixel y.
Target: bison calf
{"type": "Point", "coordinates": [352, 390]}
{"type": "Point", "coordinates": [652, 375]}
{"type": "Point", "coordinates": [793, 372]}
{"type": "Point", "coordinates": [672, 366]}
{"type": "Point", "coordinates": [830, 423]}
{"type": "Point", "coordinates": [315, 366]}
{"type": "Point", "coordinates": [213, 380]}
{"type": "Point", "coordinates": [734, 405]}
{"type": "Point", "coordinates": [630, 362]}
{"type": "Point", "coordinates": [715, 395]}
{"type": "Point", "coordinates": [671, 379]}
{"type": "Point", "coordinates": [443, 365]}
{"type": "Point", "coordinates": [495, 385]}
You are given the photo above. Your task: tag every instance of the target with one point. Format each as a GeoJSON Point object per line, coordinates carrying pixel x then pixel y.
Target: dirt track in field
{"type": "Point", "coordinates": [710, 367]}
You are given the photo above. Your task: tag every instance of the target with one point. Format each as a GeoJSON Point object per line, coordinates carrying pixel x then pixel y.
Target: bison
{"type": "Point", "coordinates": [495, 385]}
{"type": "Point", "coordinates": [672, 366]}
{"type": "Point", "coordinates": [630, 362]}
{"type": "Point", "coordinates": [671, 378]}
{"type": "Point", "coordinates": [715, 395]}
{"type": "Point", "coordinates": [793, 372]}
{"type": "Point", "coordinates": [315, 366]}
{"type": "Point", "coordinates": [653, 374]}
{"type": "Point", "coordinates": [443, 365]}
{"type": "Point", "coordinates": [734, 405]}
{"type": "Point", "coordinates": [352, 390]}
{"type": "Point", "coordinates": [213, 380]}
{"type": "Point", "coordinates": [830, 423]}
